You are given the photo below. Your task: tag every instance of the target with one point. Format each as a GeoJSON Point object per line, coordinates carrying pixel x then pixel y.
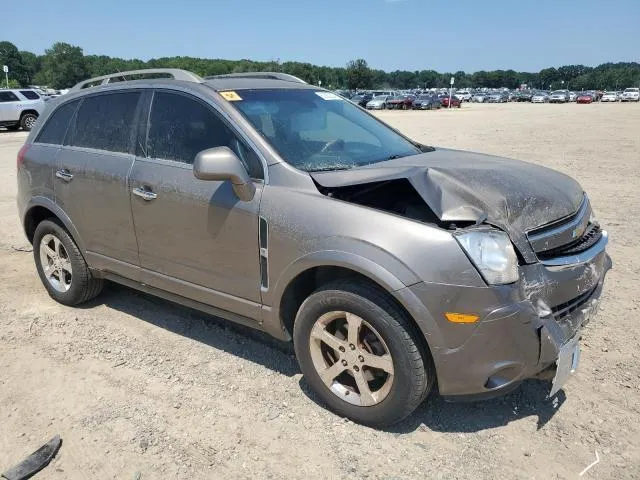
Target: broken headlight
{"type": "Point", "coordinates": [493, 254]}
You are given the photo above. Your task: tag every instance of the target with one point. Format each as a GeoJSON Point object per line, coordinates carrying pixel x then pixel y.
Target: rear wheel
{"type": "Point", "coordinates": [27, 121]}
{"type": "Point", "coordinates": [361, 355]}
{"type": "Point", "coordinates": [61, 267]}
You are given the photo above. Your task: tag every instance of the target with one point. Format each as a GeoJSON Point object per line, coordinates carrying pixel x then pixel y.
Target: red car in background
{"type": "Point", "coordinates": [584, 98]}
{"type": "Point", "coordinates": [404, 102]}
{"type": "Point", "coordinates": [455, 101]}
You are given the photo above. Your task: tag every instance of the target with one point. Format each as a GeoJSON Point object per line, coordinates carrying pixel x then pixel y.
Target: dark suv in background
{"type": "Point", "coordinates": [269, 202]}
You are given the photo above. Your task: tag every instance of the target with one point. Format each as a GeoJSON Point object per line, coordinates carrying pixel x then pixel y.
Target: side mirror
{"type": "Point", "coordinates": [222, 164]}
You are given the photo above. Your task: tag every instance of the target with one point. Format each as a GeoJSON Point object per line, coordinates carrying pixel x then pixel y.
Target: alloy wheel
{"type": "Point", "coordinates": [55, 262]}
{"type": "Point", "coordinates": [351, 358]}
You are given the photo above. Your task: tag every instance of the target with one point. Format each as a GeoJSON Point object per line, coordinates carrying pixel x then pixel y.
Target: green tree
{"type": "Point", "coordinates": [10, 56]}
{"type": "Point", "coordinates": [32, 65]}
{"type": "Point", "coordinates": [63, 66]}
{"type": "Point", "coordinates": [359, 75]}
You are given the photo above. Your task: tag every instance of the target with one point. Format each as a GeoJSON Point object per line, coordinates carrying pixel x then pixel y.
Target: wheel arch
{"type": "Point", "coordinates": [29, 110]}
{"type": "Point", "coordinates": [309, 273]}
{"type": "Point", "coordinates": [41, 208]}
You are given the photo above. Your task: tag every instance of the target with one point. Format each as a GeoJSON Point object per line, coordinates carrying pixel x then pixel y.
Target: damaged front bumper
{"type": "Point", "coordinates": [525, 329]}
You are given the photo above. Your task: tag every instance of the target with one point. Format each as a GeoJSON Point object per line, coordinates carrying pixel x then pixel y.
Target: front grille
{"type": "Point", "coordinates": [567, 308]}
{"type": "Point", "coordinates": [589, 238]}
{"type": "Point", "coordinates": [563, 313]}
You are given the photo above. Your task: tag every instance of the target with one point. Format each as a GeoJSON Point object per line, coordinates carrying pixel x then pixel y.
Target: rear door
{"type": "Point", "coordinates": [196, 238]}
{"type": "Point", "coordinates": [91, 179]}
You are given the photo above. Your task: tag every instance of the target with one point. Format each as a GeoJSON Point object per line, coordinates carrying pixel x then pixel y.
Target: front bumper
{"type": "Point", "coordinates": [521, 328]}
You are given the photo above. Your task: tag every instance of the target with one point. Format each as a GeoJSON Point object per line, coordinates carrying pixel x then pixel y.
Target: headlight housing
{"type": "Point", "coordinates": [492, 253]}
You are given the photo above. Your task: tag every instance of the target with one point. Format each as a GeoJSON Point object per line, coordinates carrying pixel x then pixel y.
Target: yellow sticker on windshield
{"type": "Point", "coordinates": [231, 96]}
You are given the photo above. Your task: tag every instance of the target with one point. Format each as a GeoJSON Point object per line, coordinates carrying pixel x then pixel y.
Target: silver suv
{"type": "Point", "coordinates": [393, 266]}
{"type": "Point", "coordinates": [20, 108]}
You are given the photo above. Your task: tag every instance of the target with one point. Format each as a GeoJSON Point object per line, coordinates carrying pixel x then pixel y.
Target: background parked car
{"type": "Point", "coordinates": [573, 96]}
{"type": "Point", "coordinates": [540, 97]}
{"type": "Point", "coordinates": [630, 95]}
{"type": "Point", "coordinates": [524, 96]}
{"type": "Point", "coordinates": [585, 97]}
{"type": "Point", "coordinates": [426, 102]}
{"type": "Point", "coordinates": [498, 97]}
{"type": "Point", "coordinates": [455, 101]}
{"type": "Point", "coordinates": [20, 108]}
{"type": "Point", "coordinates": [559, 96]}
{"type": "Point", "coordinates": [610, 97]}
{"type": "Point", "coordinates": [397, 102]}
{"type": "Point", "coordinates": [377, 103]}
{"type": "Point", "coordinates": [465, 96]}
{"type": "Point", "coordinates": [479, 97]}
{"type": "Point", "coordinates": [362, 100]}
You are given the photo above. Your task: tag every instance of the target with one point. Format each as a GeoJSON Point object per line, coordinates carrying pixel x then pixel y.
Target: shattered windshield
{"type": "Point", "coordinates": [318, 130]}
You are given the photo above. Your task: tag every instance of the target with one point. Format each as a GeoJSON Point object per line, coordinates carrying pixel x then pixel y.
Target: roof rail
{"type": "Point", "coordinates": [174, 73]}
{"type": "Point", "coordinates": [264, 75]}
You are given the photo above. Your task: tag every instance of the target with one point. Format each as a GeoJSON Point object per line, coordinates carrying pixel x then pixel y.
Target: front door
{"type": "Point", "coordinates": [195, 238]}
{"type": "Point", "coordinates": [91, 179]}
{"type": "Point", "coordinates": [8, 102]}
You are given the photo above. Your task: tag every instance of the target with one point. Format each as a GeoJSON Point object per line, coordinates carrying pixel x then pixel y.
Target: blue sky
{"type": "Point", "coordinates": [464, 35]}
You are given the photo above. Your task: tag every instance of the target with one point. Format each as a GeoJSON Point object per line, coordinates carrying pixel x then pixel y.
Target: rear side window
{"type": "Point", "coordinates": [55, 129]}
{"type": "Point", "coordinates": [30, 94]}
{"type": "Point", "coordinates": [8, 97]}
{"type": "Point", "coordinates": [105, 122]}
{"type": "Point", "coordinates": [180, 127]}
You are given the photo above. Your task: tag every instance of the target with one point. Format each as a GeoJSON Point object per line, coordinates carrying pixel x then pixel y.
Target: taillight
{"type": "Point", "coordinates": [21, 153]}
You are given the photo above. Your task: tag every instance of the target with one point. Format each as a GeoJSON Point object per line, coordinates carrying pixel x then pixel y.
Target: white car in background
{"type": "Point", "coordinates": [479, 97]}
{"type": "Point", "coordinates": [540, 98]}
{"type": "Point", "coordinates": [378, 103]}
{"type": "Point", "coordinates": [20, 108]}
{"type": "Point", "coordinates": [630, 95]}
{"type": "Point", "coordinates": [610, 97]}
{"type": "Point", "coordinates": [464, 96]}
{"type": "Point", "coordinates": [573, 96]}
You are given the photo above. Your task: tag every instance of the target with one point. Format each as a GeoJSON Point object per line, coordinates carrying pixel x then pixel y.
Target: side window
{"type": "Point", "coordinates": [8, 97]}
{"type": "Point", "coordinates": [105, 122]}
{"type": "Point", "coordinates": [55, 129]}
{"type": "Point", "coordinates": [180, 127]}
{"type": "Point", "coordinates": [30, 94]}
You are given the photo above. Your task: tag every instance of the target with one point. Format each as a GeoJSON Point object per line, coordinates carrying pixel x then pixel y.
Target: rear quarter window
{"type": "Point", "coordinates": [30, 94]}
{"type": "Point", "coordinates": [55, 130]}
{"type": "Point", "coordinates": [105, 122]}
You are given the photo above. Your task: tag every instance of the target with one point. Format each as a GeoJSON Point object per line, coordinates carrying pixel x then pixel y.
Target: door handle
{"type": "Point", "coordinates": [144, 193]}
{"type": "Point", "coordinates": [64, 175]}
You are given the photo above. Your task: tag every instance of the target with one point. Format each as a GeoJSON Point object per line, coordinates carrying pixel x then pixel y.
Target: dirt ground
{"type": "Point", "coordinates": [135, 385]}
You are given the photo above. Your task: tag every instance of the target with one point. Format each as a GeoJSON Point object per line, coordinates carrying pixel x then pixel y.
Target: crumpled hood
{"type": "Point", "coordinates": [463, 186]}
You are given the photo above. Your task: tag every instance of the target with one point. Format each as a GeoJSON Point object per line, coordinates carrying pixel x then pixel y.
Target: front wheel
{"type": "Point", "coordinates": [361, 354]}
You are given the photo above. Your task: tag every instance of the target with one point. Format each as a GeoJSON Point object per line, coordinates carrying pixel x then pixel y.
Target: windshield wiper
{"type": "Point", "coordinates": [329, 169]}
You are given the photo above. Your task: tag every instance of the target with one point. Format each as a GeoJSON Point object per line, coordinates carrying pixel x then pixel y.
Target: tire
{"type": "Point", "coordinates": [413, 372]}
{"type": "Point", "coordinates": [27, 121]}
{"type": "Point", "coordinates": [82, 285]}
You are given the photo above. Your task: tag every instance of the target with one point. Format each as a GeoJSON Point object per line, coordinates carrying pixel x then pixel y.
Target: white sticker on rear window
{"type": "Point", "coordinates": [328, 96]}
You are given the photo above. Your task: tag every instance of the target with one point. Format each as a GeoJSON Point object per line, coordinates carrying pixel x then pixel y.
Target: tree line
{"type": "Point", "coordinates": [63, 65]}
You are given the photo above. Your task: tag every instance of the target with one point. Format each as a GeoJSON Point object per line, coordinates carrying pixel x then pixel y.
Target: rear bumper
{"type": "Point", "coordinates": [521, 327]}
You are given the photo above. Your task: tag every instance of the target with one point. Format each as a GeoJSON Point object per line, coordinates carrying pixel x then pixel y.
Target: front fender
{"type": "Point", "coordinates": [384, 278]}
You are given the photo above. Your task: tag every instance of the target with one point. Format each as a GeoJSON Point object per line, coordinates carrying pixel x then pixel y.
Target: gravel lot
{"type": "Point", "coordinates": [135, 385]}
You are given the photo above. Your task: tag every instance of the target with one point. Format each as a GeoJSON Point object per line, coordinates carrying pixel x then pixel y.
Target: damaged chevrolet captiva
{"type": "Point", "coordinates": [394, 267]}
